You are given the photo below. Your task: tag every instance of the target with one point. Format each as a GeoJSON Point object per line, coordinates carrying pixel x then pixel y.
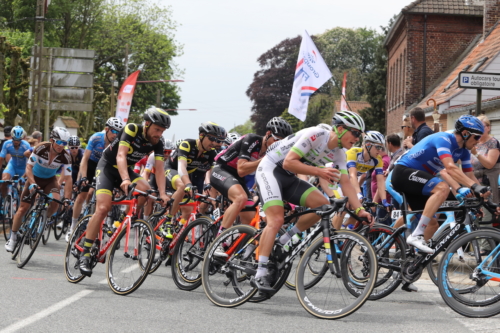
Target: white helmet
{"type": "Point", "coordinates": [325, 127]}
{"type": "Point", "coordinates": [349, 119]}
{"type": "Point", "coordinates": [232, 137]}
{"type": "Point", "coordinates": [60, 133]}
{"type": "Point", "coordinates": [178, 142]}
{"type": "Point", "coordinates": [169, 145]}
{"type": "Point", "coordinates": [374, 136]}
{"type": "Point", "coordinates": [115, 123]}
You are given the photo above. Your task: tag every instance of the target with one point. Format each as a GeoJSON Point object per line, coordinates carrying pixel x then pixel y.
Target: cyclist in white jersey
{"type": "Point", "coordinates": [305, 152]}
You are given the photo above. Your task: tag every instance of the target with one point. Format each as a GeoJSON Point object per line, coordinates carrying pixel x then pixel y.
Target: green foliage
{"type": "Point", "coordinates": [292, 120]}
{"type": "Point", "coordinates": [246, 128]}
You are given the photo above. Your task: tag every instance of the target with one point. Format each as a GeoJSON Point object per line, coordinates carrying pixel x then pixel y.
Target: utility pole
{"type": "Point", "coordinates": [112, 102]}
{"type": "Point", "coordinates": [37, 77]}
{"type": "Point", "coordinates": [126, 61]}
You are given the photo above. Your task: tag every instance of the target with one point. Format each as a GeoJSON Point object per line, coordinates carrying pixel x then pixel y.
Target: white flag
{"type": "Point", "coordinates": [311, 73]}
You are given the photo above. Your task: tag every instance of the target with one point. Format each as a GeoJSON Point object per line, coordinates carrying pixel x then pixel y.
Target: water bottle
{"type": "Point", "coordinates": [333, 186]}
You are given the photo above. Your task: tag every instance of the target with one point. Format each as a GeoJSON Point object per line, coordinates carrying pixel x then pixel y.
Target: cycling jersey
{"type": "Point", "coordinates": [133, 137]}
{"type": "Point", "coordinates": [76, 161]}
{"type": "Point", "coordinates": [311, 144]}
{"type": "Point", "coordinates": [188, 151]}
{"type": "Point", "coordinates": [247, 148]}
{"type": "Point", "coordinates": [428, 153]}
{"type": "Point", "coordinates": [142, 163]}
{"type": "Point", "coordinates": [96, 146]}
{"type": "Point", "coordinates": [356, 160]}
{"type": "Point", "coordinates": [39, 159]}
{"type": "Point", "coordinates": [150, 164]}
{"type": "Point", "coordinates": [18, 160]}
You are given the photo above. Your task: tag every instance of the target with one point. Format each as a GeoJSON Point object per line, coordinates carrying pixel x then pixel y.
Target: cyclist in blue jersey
{"type": "Point", "coordinates": [415, 174]}
{"type": "Point", "coordinates": [17, 163]}
{"type": "Point", "coordinates": [41, 170]}
{"type": "Point", "coordinates": [97, 143]}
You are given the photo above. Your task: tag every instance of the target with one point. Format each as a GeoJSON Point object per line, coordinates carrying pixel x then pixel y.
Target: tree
{"type": "Point", "coordinates": [292, 120]}
{"type": "Point", "coordinates": [272, 85]}
{"type": "Point", "coordinates": [246, 128]}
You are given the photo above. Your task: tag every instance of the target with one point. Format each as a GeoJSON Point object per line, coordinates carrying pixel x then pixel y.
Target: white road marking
{"type": "Point", "coordinates": [47, 312]}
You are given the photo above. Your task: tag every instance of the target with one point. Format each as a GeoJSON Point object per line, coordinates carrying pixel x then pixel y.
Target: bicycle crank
{"type": "Point", "coordinates": [409, 272]}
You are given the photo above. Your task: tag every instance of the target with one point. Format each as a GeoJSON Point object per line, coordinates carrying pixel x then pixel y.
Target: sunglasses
{"type": "Point", "coordinates": [167, 151]}
{"type": "Point", "coordinates": [72, 148]}
{"type": "Point", "coordinates": [61, 142]}
{"type": "Point", "coordinates": [213, 138]}
{"type": "Point", "coordinates": [354, 132]}
{"type": "Point", "coordinates": [475, 136]}
{"type": "Point", "coordinates": [403, 127]}
{"type": "Point", "coordinates": [114, 131]}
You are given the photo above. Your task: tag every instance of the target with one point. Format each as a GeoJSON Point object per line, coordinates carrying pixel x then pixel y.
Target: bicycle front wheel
{"type": "Point", "coordinates": [468, 275]}
{"type": "Point", "coordinates": [7, 217]}
{"type": "Point", "coordinates": [327, 297]}
{"type": "Point", "coordinates": [47, 229]}
{"type": "Point", "coordinates": [130, 258]}
{"type": "Point", "coordinates": [30, 240]}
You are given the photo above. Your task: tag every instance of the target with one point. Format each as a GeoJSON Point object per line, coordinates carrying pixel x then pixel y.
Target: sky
{"type": "Point", "coordinates": [222, 40]}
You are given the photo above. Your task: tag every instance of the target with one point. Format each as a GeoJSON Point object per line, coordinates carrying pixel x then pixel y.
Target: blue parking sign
{"type": "Point", "coordinates": [465, 79]}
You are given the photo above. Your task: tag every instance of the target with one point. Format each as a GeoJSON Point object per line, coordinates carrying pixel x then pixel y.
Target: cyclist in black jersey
{"type": "Point", "coordinates": [239, 160]}
{"type": "Point", "coordinates": [191, 164]}
{"type": "Point", "coordinates": [114, 170]}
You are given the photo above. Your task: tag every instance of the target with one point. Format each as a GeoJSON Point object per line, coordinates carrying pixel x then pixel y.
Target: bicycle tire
{"type": "Point", "coordinates": [60, 218]}
{"type": "Point", "coordinates": [31, 237]}
{"type": "Point", "coordinates": [124, 281]}
{"type": "Point", "coordinates": [47, 231]}
{"type": "Point", "coordinates": [7, 217]}
{"type": "Point", "coordinates": [189, 252]}
{"type": "Point", "coordinates": [220, 282]}
{"type": "Point", "coordinates": [153, 221]}
{"type": "Point", "coordinates": [461, 292]}
{"type": "Point", "coordinates": [345, 303]}
{"type": "Point", "coordinates": [72, 257]}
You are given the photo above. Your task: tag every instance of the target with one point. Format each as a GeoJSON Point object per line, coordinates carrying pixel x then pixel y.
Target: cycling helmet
{"type": "Point", "coordinates": [232, 137]}
{"type": "Point", "coordinates": [325, 127]}
{"type": "Point", "coordinates": [178, 142]}
{"type": "Point", "coordinates": [169, 145]}
{"type": "Point", "coordinates": [60, 133]}
{"type": "Point", "coordinates": [74, 141]}
{"type": "Point", "coordinates": [375, 137]}
{"type": "Point", "coordinates": [17, 133]}
{"type": "Point", "coordinates": [349, 119]}
{"type": "Point", "coordinates": [115, 123]}
{"type": "Point", "coordinates": [469, 123]}
{"type": "Point", "coordinates": [157, 116]}
{"type": "Point", "coordinates": [279, 127]}
{"type": "Point", "coordinates": [211, 128]}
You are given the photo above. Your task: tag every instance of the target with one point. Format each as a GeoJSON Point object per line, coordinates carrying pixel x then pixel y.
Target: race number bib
{"type": "Point", "coordinates": [396, 214]}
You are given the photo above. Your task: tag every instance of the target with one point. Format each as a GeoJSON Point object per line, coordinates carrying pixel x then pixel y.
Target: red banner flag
{"type": "Point", "coordinates": [125, 97]}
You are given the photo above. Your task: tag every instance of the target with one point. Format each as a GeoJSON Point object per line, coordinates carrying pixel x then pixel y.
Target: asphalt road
{"type": "Point", "coordinates": [39, 299]}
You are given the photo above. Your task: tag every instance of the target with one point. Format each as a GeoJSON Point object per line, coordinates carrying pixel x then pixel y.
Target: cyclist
{"type": "Point", "coordinates": [93, 153]}
{"type": "Point", "coordinates": [76, 154]}
{"type": "Point", "coordinates": [361, 160]}
{"type": "Point", "coordinates": [238, 161]}
{"type": "Point", "coordinates": [415, 173]}
{"type": "Point", "coordinates": [42, 166]}
{"type": "Point", "coordinates": [232, 137]}
{"type": "Point", "coordinates": [114, 170]}
{"type": "Point", "coordinates": [15, 147]}
{"type": "Point", "coordinates": [189, 165]}
{"type": "Point", "coordinates": [277, 181]}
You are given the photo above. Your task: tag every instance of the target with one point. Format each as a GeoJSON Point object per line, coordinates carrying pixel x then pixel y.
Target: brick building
{"type": "Point", "coordinates": [426, 41]}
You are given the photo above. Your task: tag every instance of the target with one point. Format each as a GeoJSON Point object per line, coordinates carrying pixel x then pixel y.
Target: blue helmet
{"type": "Point", "coordinates": [469, 123]}
{"type": "Point", "coordinates": [17, 133]}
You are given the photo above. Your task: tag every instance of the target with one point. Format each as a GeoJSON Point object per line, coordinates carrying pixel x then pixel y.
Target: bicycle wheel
{"type": "Point", "coordinates": [31, 238]}
{"type": "Point", "coordinates": [328, 298]}
{"type": "Point", "coordinates": [47, 229]}
{"type": "Point", "coordinates": [60, 218]}
{"type": "Point", "coordinates": [130, 258]}
{"type": "Point", "coordinates": [390, 256]}
{"type": "Point", "coordinates": [7, 216]}
{"type": "Point", "coordinates": [224, 279]}
{"type": "Point", "coordinates": [467, 278]}
{"type": "Point", "coordinates": [73, 251]}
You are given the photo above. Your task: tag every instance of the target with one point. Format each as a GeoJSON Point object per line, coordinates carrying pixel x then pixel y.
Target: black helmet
{"type": "Point", "coordinates": [157, 116]}
{"type": "Point", "coordinates": [279, 127]}
{"type": "Point", "coordinates": [211, 128]}
{"type": "Point", "coordinates": [74, 141]}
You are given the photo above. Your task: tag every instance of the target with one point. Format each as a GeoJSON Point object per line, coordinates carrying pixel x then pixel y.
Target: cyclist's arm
{"type": "Point", "coordinates": [7, 158]}
{"type": "Point", "coordinates": [349, 191]}
{"type": "Point", "coordinates": [68, 186]}
{"type": "Point", "coordinates": [207, 176]}
{"type": "Point", "coordinates": [470, 174]}
{"type": "Point", "coordinates": [324, 186]}
{"type": "Point", "coordinates": [145, 174]}
{"type": "Point", "coordinates": [293, 164]}
{"type": "Point", "coordinates": [121, 161]}
{"type": "Point", "coordinates": [457, 174]}
{"type": "Point", "coordinates": [84, 164]}
{"type": "Point", "coordinates": [26, 154]}
{"type": "Point", "coordinates": [29, 174]}
{"type": "Point", "coordinates": [160, 176]}
{"type": "Point", "coordinates": [182, 170]}
{"type": "Point", "coordinates": [381, 186]}
{"type": "Point", "coordinates": [246, 167]}
{"type": "Point", "coordinates": [353, 176]}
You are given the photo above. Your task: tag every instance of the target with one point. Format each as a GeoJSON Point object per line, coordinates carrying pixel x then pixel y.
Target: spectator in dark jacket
{"type": "Point", "coordinates": [417, 120]}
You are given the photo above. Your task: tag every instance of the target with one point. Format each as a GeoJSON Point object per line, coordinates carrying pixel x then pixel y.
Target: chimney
{"type": "Point", "coordinates": [491, 15]}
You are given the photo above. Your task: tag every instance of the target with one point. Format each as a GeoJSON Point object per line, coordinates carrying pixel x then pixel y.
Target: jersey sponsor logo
{"type": "Point", "coordinates": [266, 185]}
{"type": "Point", "coordinates": [417, 154]}
{"type": "Point", "coordinates": [252, 145]}
{"type": "Point", "coordinates": [313, 138]}
{"type": "Point", "coordinates": [456, 155]}
{"type": "Point", "coordinates": [304, 145]}
{"type": "Point", "coordinates": [417, 179]}
{"type": "Point", "coordinates": [219, 177]}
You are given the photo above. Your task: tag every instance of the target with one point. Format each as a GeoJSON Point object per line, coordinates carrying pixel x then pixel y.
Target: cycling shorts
{"type": "Point", "coordinates": [12, 171]}
{"type": "Point", "coordinates": [415, 184]}
{"type": "Point", "coordinates": [196, 178]}
{"type": "Point", "coordinates": [91, 167]}
{"type": "Point", "coordinates": [222, 179]}
{"type": "Point", "coordinates": [47, 185]}
{"type": "Point", "coordinates": [108, 177]}
{"type": "Point", "coordinates": [276, 185]}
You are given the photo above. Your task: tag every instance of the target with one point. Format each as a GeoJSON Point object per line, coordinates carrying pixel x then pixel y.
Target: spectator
{"type": "Point", "coordinates": [486, 159]}
{"type": "Point", "coordinates": [8, 136]}
{"type": "Point", "coordinates": [394, 147]}
{"type": "Point", "coordinates": [37, 136]}
{"type": "Point", "coordinates": [417, 120]}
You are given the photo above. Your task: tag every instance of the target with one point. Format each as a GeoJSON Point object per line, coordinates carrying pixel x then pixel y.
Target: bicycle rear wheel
{"type": "Point", "coordinates": [328, 298]}
{"type": "Point", "coordinates": [30, 240]}
{"type": "Point", "coordinates": [7, 217]}
{"type": "Point", "coordinates": [60, 218]}
{"type": "Point", "coordinates": [73, 251]}
{"type": "Point", "coordinates": [47, 229]}
{"type": "Point", "coordinates": [189, 252]}
{"type": "Point", "coordinates": [469, 288]}
{"type": "Point", "coordinates": [128, 266]}
{"type": "Point", "coordinates": [223, 279]}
